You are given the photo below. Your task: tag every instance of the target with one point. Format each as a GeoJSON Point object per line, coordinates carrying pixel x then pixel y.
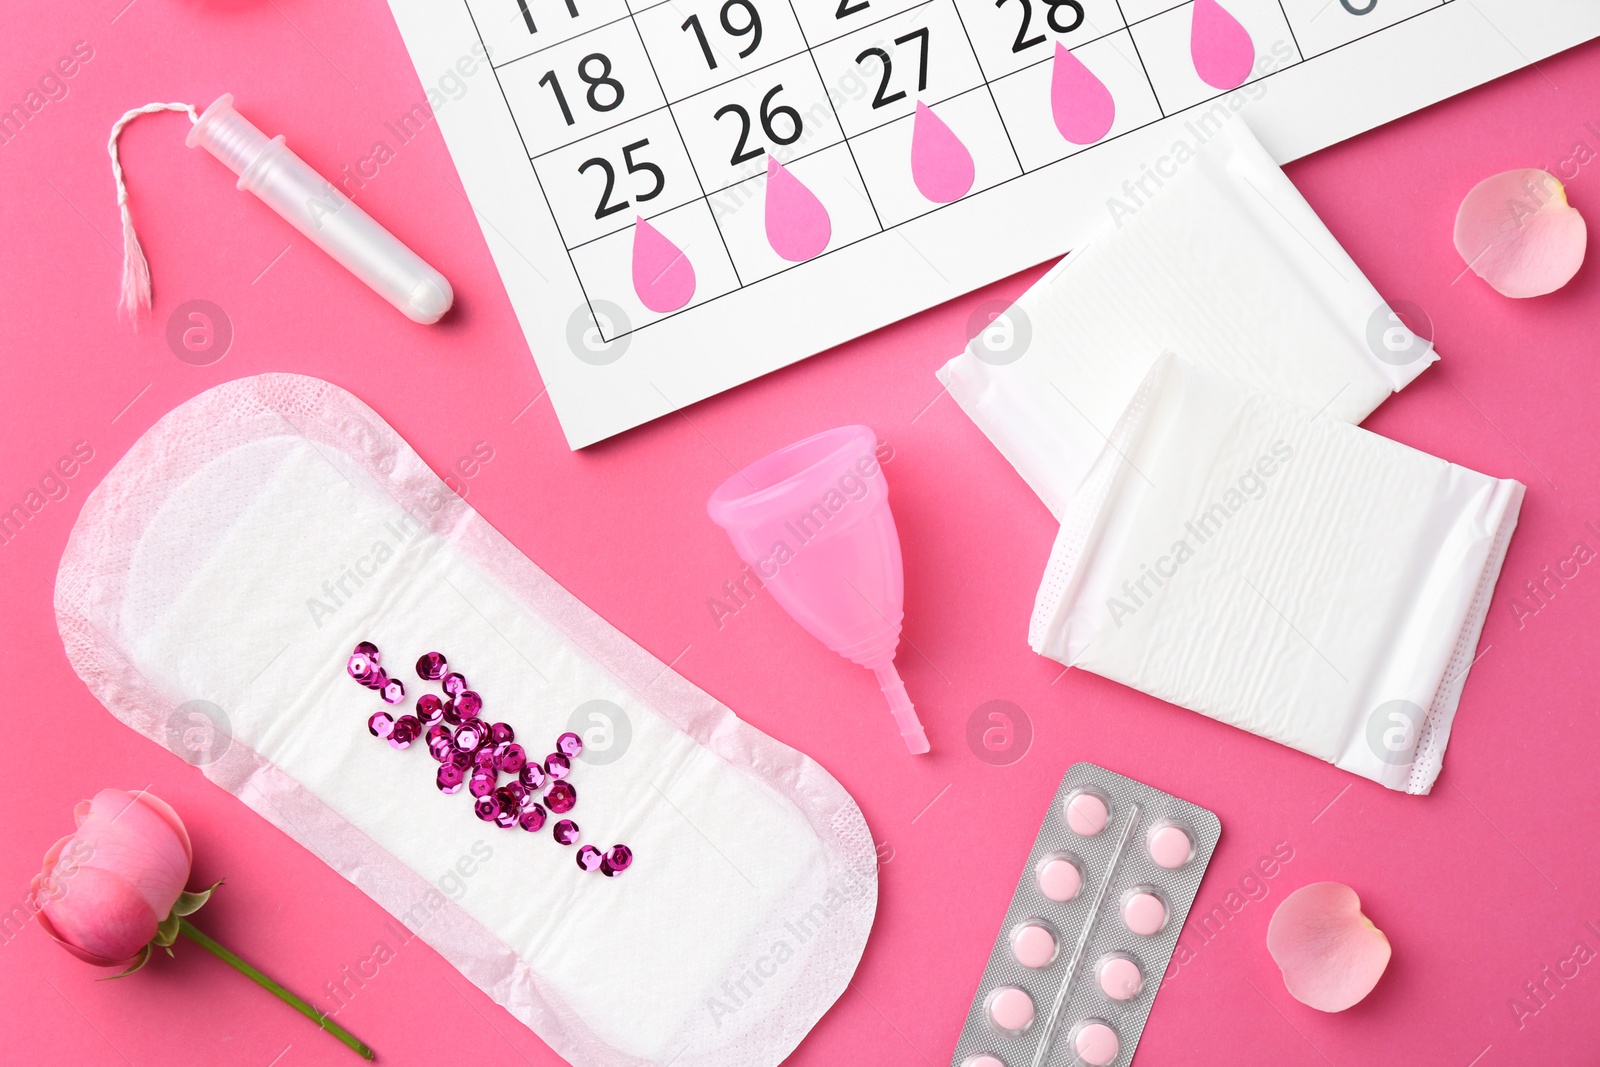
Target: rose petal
{"type": "Point", "coordinates": [101, 915]}
{"type": "Point", "coordinates": [1518, 233]}
{"type": "Point", "coordinates": [1330, 954]}
{"type": "Point", "coordinates": [44, 881]}
{"type": "Point", "coordinates": [170, 817]}
{"type": "Point", "coordinates": [128, 835]}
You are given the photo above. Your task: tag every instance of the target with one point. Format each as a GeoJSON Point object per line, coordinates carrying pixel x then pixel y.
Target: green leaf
{"type": "Point", "coordinates": [138, 961]}
{"type": "Point", "coordinates": [189, 903]}
{"type": "Point", "coordinates": [167, 932]}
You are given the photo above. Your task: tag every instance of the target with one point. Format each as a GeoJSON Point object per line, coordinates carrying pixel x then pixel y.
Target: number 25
{"type": "Point", "coordinates": [634, 166]}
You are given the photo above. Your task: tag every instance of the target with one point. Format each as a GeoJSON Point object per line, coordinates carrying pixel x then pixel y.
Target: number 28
{"type": "Point", "coordinates": [1052, 16]}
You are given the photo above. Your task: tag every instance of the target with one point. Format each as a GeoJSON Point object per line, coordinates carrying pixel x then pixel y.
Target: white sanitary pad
{"type": "Point", "coordinates": [256, 533]}
{"type": "Point", "coordinates": [1279, 570]}
{"type": "Point", "coordinates": [1221, 261]}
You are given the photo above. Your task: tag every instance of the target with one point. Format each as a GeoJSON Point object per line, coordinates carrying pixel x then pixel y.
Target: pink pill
{"type": "Point", "coordinates": [1059, 879]}
{"type": "Point", "coordinates": [1120, 978]}
{"type": "Point", "coordinates": [984, 1060]}
{"type": "Point", "coordinates": [1170, 847]}
{"type": "Point", "coordinates": [1144, 913]}
{"type": "Point", "coordinates": [1033, 945]}
{"type": "Point", "coordinates": [1086, 814]}
{"type": "Point", "coordinates": [1010, 1009]}
{"type": "Point", "coordinates": [1097, 1044]}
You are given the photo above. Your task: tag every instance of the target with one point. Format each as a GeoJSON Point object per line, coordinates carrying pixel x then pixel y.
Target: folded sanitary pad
{"type": "Point", "coordinates": [1224, 263]}
{"type": "Point", "coordinates": [1262, 563]}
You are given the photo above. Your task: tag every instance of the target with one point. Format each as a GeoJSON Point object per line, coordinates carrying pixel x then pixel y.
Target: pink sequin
{"type": "Point", "coordinates": [431, 666]}
{"type": "Point", "coordinates": [619, 859]}
{"type": "Point", "coordinates": [561, 797]}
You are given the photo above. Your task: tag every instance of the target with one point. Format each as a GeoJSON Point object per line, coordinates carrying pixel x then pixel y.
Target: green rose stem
{"type": "Point", "coordinates": [188, 929]}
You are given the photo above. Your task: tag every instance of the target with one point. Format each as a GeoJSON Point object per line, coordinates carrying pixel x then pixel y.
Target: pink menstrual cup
{"type": "Point", "coordinates": [812, 520]}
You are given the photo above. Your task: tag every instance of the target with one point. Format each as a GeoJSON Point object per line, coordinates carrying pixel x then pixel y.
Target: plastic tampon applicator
{"type": "Point", "coordinates": [313, 205]}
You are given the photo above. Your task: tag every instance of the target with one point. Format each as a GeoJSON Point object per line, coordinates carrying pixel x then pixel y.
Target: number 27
{"type": "Point", "coordinates": [878, 98]}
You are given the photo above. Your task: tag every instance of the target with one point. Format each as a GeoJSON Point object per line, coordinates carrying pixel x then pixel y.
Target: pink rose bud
{"type": "Point", "coordinates": [106, 887]}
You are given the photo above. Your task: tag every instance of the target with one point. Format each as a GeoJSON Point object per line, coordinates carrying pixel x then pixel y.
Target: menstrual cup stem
{"type": "Point", "coordinates": [905, 716]}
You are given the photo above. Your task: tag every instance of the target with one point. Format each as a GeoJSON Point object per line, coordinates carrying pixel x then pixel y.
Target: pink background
{"type": "Point", "coordinates": [1478, 886]}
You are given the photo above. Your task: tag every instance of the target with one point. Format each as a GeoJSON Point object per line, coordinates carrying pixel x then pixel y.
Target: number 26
{"type": "Point", "coordinates": [634, 166]}
{"type": "Point", "coordinates": [769, 112]}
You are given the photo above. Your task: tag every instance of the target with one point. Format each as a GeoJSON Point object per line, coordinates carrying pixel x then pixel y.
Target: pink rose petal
{"type": "Point", "coordinates": [1518, 233]}
{"type": "Point", "coordinates": [1330, 954]}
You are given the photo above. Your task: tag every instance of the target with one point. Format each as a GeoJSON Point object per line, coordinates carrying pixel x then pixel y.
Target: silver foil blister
{"type": "Point", "coordinates": [1090, 928]}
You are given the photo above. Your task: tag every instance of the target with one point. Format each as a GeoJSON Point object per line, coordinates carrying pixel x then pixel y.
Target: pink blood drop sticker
{"type": "Point", "coordinates": [1080, 102]}
{"type": "Point", "coordinates": [797, 224]}
{"type": "Point", "coordinates": [940, 164]}
{"type": "Point", "coordinates": [1220, 47]}
{"type": "Point", "coordinates": [662, 275]}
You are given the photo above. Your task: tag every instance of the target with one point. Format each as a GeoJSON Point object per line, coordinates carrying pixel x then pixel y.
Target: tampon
{"type": "Point", "coordinates": [315, 207]}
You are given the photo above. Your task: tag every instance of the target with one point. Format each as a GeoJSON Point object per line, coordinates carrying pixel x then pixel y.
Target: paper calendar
{"type": "Point", "coordinates": [683, 195]}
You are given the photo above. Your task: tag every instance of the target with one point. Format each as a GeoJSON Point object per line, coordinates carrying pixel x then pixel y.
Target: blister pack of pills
{"type": "Point", "coordinates": [1091, 927]}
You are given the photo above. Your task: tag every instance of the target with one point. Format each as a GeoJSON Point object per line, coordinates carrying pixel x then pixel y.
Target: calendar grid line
{"type": "Point", "coordinates": [583, 289]}
{"type": "Point", "coordinates": [1156, 14]}
{"type": "Point", "coordinates": [1098, 36]}
{"type": "Point", "coordinates": [864, 26]}
{"type": "Point", "coordinates": [582, 33]}
{"type": "Point", "coordinates": [737, 77]}
{"type": "Point", "coordinates": [693, 169]}
{"type": "Point", "coordinates": [1186, 3]}
{"type": "Point", "coordinates": [567, 40]}
{"type": "Point", "coordinates": [1137, 54]}
{"type": "Point", "coordinates": [983, 75]}
{"type": "Point", "coordinates": [811, 51]}
{"type": "Point", "coordinates": [705, 89]}
{"type": "Point", "coordinates": [1051, 58]}
{"type": "Point", "coordinates": [1362, 37]}
{"type": "Point", "coordinates": [1292, 36]}
{"type": "Point", "coordinates": [497, 83]}
{"type": "Point", "coordinates": [1356, 40]}
{"type": "Point", "coordinates": [642, 8]}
